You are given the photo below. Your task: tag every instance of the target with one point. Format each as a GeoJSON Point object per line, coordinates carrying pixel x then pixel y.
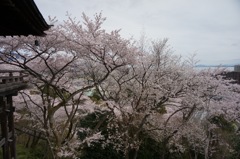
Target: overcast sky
{"type": "Point", "coordinates": [209, 28]}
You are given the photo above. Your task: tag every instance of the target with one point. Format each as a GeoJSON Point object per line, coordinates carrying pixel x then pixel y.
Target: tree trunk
{"type": "Point", "coordinates": [206, 150]}
{"type": "Point", "coordinates": [132, 154]}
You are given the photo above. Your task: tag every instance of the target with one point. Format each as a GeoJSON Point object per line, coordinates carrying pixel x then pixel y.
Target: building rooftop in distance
{"type": "Point", "coordinates": [237, 68]}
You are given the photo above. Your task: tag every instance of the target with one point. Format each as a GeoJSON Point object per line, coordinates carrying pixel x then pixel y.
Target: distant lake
{"type": "Point", "coordinates": [213, 67]}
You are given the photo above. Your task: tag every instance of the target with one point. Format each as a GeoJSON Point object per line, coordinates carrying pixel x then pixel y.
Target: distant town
{"type": "Point", "coordinates": [220, 65]}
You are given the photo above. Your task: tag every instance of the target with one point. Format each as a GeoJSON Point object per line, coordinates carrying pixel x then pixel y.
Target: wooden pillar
{"type": "Point", "coordinates": [4, 128]}
{"type": "Point", "coordinates": [12, 140]}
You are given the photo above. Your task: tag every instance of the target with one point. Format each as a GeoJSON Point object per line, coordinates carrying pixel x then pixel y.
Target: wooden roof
{"type": "Point", "coordinates": [21, 17]}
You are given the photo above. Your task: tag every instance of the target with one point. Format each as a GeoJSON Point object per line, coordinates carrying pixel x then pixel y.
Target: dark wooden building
{"type": "Point", "coordinates": [11, 82]}
{"type": "Point", "coordinates": [234, 75]}
{"type": "Point", "coordinates": [21, 17]}
{"type": "Point", "coordinates": [17, 17]}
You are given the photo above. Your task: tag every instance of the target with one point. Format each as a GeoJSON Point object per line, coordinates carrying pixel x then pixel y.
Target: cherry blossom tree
{"type": "Point", "coordinates": [159, 95]}
{"type": "Point", "coordinates": [69, 60]}
{"type": "Point", "coordinates": [138, 92]}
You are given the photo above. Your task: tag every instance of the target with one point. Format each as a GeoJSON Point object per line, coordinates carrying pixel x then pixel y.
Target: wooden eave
{"type": "Point", "coordinates": [21, 17]}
